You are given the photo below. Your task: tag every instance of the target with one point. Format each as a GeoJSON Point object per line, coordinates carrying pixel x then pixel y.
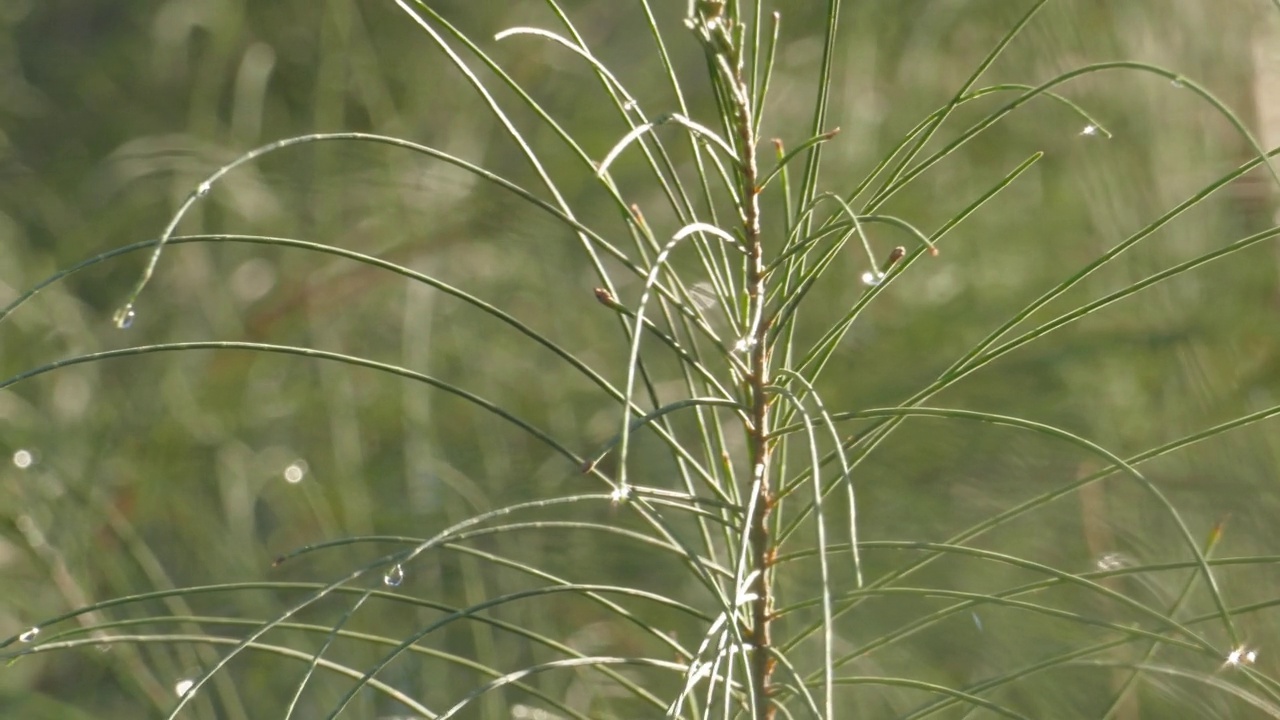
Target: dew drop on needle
{"type": "Point", "coordinates": [124, 317]}
{"type": "Point", "coordinates": [394, 577]}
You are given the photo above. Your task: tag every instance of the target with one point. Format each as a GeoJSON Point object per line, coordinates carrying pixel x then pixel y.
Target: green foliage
{"type": "Point", "coordinates": [957, 410]}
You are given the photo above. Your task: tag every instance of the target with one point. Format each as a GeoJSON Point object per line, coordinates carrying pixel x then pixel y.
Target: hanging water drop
{"type": "Point", "coordinates": [182, 687]}
{"type": "Point", "coordinates": [30, 635]}
{"type": "Point", "coordinates": [394, 576]}
{"type": "Point", "coordinates": [1089, 130]}
{"type": "Point", "coordinates": [629, 105]}
{"type": "Point", "coordinates": [203, 189]}
{"type": "Point", "coordinates": [124, 317]}
{"type": "Point", "coordinates": [1177, 82]}
{"type": "Point", "coordinates": [872, 278]}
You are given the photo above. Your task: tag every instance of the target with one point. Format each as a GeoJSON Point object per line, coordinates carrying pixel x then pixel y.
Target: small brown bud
{"type": "Point", "coordinates": [605, 297]}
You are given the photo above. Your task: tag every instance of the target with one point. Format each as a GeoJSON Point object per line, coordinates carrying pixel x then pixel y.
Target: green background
{"type": "Point", "coordinates": [168, 470]}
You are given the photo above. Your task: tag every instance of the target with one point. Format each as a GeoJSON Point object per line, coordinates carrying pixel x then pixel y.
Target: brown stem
{"type": "Point", "coordinates": [722, 40]}
{"type": "Point", "coordinates": [761, 549]}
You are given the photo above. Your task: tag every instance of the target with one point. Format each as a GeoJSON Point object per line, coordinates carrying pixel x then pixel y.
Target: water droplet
{"type": "Point", "coordinates": [620, 494]}
{"type": "Point", "coordinates": [872, 278]}
{"type": "Point", "coordinates": [629, 106]}
{"type": "Point", "coordinates": [23, 459]}
{"type": "Point", "coordinates": [1112, 561]}
{"type": "Point", "coordinates": [124, 317]}
{"type": "Point", "coordinates": [203, 189]}
{"type": "Point", "coordinates": [29, 636]}
{"type": "Point", "coordinates": [1241, 656]}
{"type": "Point", "coordinates": [295, 472]}
{"type": "Point", "coordinates": [394, 577]}
{"type": "Point", "coordinates": [1177, 82]}
{"type": "Point", "coordinates": [182, 687]}
{"type": "Point", "coordinates": [1089, 130]}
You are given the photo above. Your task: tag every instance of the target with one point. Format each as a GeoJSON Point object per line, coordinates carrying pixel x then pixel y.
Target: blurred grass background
{"type": "Point", "coordinates": [170, 469]}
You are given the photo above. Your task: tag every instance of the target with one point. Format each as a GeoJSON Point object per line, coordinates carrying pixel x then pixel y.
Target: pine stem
{"type": "Point", "coordinates": [721, 36]}
{"type": "Point", "coordinates": [758, 399]}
